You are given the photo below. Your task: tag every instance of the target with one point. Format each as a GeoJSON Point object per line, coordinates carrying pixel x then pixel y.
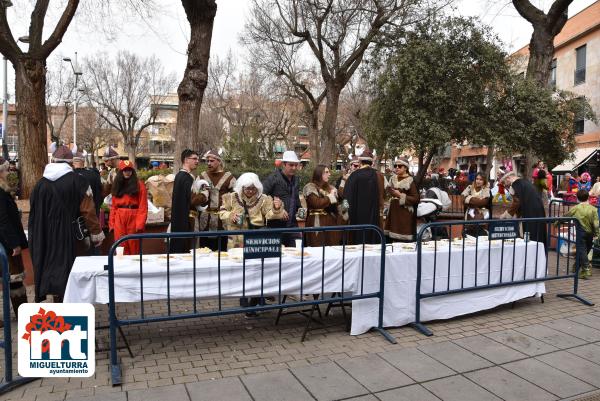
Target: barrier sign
{"type": "Point", "coordinates": [503, 230]}
{"type": "Point", "coordinates": [263, 245]}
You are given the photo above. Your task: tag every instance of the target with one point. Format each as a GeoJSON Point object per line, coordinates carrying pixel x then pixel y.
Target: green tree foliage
{"type": "Point", "coordinates": [448, 82]}
{"type": "Point", "coordinates": [433, 88]}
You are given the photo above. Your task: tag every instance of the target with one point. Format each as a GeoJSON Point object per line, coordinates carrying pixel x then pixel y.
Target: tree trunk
{"type": "Point", "coordinates": [541, 53]}
{"type": "Point", "coordinates": [328, 154]}
{"type": "Point", "coordinates": [30, 95]}
{"type": "Point", "coordinates": [131, 150]}
{"type": "Point", "coordinates": [200, 14]}
{"type": "Point", "coordinates": [315, 138]}
{"type": "Point", "coordinates": [489, 159]}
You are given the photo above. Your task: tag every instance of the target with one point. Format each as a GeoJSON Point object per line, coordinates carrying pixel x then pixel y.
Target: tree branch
{"type": "Point", "coordinates": [61, 27]}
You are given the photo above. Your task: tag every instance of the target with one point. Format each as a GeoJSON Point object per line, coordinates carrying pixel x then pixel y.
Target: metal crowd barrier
{"type": "Point", "coordinates": [359, 234]}
{"type": "Point", "coordinates": [9, 382]}
{"type": "Point", "coordinates": [552, 270]}
{"type": "Point", "coordinates": [558, 207]}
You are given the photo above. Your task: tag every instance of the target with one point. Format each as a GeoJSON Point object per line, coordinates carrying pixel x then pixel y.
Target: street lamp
{"type": "Point", "coordinates": [77, 73]}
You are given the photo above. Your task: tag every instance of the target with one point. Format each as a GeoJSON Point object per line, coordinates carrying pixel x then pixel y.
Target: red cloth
{"type": "Point", "coordinates": [129, 221]}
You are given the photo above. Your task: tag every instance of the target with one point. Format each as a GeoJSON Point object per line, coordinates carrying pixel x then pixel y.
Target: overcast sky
{"type": "Point", "coordinates": [165, 35]}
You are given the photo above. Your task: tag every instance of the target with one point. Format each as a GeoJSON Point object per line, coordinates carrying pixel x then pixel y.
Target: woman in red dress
{"type": "Point", "coordinates": [129, 207]}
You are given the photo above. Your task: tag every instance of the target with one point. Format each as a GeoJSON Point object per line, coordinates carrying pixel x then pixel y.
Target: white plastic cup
{"type": "Point", "coordinates": [299, 244]}
{"type": "Point", "coordinates": [120, 250]}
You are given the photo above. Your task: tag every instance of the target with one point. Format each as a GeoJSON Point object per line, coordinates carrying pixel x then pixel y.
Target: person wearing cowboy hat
{"type": "Point", "coordinates": [283, 184]}
{"type": "Point", "coordinates": [364, 192]}
{"type": "Point", "coordinates": [111, 161]}
{"type": "Point", "coordinates": [58, 201]}
{"type": "Point", "coordinates": [401, 222]}
{"type": "Point", "coordinates": [129, 206]}
{"type": "Point", "coordinates": [12, 238]}
{"type": "Point", "coordinates": [219, 182]}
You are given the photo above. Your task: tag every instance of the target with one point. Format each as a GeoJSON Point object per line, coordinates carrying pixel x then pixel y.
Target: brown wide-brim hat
{"type": "Point", "coordinates": [212, 153]}
{"type": "Point", "coordinates": [403, 161]}
{"type": "Point", "coordinates": [110, 154]}
{"type": "Point", "coordinates": [367, 155]}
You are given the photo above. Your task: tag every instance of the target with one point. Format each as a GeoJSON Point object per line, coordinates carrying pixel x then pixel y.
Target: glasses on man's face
{"type": "Point", "coordinates": [194, 158]}
{"type": "Point", "coordinates": [399, 165]}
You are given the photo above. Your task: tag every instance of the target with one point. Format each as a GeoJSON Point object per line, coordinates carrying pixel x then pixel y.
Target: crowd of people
{"type": "Point", "coordinates": [65, 203]}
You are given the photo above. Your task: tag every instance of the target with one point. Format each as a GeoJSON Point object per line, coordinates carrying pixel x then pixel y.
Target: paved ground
{"type": "Point", "coordinates": [533, 351]}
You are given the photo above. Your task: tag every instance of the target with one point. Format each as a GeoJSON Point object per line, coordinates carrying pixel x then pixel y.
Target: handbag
{"type": "Point", "coordinates": [78, 226]}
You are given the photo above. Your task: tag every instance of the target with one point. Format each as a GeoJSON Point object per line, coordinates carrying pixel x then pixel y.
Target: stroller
{"type": "Point", "coordinates": [433, 202]}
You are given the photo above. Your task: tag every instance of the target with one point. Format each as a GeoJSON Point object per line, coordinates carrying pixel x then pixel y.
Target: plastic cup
{"type": "Point", "coordinates": [120, 250]}
{"type": "Point", "coordinates": [298, 243]}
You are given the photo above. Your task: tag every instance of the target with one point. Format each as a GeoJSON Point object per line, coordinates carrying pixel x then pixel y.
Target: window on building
{"type": "Point", "coordinates": [579, 123]}
{"type": "Point", "coordinates": [552, 80]}
{"type": "Point", "coordinates": [580, 64]}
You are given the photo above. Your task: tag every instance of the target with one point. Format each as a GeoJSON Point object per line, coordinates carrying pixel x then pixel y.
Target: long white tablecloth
{"type": "Point", "coordinates": [88, 281]}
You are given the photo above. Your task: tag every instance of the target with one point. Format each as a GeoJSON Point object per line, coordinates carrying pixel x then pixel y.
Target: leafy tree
{"type": "Point", "coordinates": [433, 89]}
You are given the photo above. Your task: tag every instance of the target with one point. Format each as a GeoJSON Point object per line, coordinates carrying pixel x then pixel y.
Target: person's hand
{"type": "Point", "coordinates": [285, 216]}
{"type": "Point", "coordinates": [333, 192]}
{"type": "Point", "coordinates": [234, 217]}
{"type": "Point", "coordinates": [276, 203]}
{"type": "Point", "coordinates": [16, 251]}
{"type": "Point", "coordinates": [397, 193]}
{"type": "Point", "coordinates": [98, 243]}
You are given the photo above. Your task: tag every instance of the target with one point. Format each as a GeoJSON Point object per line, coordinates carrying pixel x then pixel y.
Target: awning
{"type": "Point", "coordinates": [580, 157]}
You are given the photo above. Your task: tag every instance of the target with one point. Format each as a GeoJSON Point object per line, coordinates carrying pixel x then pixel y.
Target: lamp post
{"type": "Point", "coordinates": [77, 73]}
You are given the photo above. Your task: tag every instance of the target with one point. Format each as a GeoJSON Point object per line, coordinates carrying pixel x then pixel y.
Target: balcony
{"type": "Point", "coordinates": [579, 76]}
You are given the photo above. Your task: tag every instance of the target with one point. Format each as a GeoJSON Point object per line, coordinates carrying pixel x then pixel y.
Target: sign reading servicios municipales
{"type": "Point", "coordinates": [263, 245]}
{"type": "Point", "coordinates": [503, 229]}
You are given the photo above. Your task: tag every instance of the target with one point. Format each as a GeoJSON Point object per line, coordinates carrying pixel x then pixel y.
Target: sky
{"type": "Point", "coordinates": [165, 34]}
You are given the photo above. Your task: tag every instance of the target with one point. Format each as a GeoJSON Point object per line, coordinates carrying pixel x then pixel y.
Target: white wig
{"type": "Point", "coordinates": [247, 180]}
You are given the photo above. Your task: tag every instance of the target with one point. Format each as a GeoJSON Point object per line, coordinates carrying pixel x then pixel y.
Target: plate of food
{"type": "Point", "coordinates": [407, 247]}
{"type": "Point", "coordinates": [224, 255]}
{"type": "Point", "coordinates": [186, 257]}
{"type": "Point", "coordinates": [136, 258]}
{"type": "Point", "coordinates": [297, 253]}
{"type": "Point", "coordinates": [202, 251]}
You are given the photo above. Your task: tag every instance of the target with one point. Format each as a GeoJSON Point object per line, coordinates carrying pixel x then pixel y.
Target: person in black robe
{"type": "Point", "coordinates": [92, 176]}
{"type": "Point", "coordinates": [57, 200]}
{"type": "Point", "coordinates": [364, 192]}
{"type": "Point", "coordinates": [182, 206]}
{"type": "Point", "coordinates": [527, 203]}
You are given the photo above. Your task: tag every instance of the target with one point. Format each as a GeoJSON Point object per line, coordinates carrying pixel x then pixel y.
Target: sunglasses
{"type": "Point", "coordinates": [399, 165]}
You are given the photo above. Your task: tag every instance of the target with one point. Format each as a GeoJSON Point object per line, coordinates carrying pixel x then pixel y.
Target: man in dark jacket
{"type": "Point", "coordinates": [284, 184]}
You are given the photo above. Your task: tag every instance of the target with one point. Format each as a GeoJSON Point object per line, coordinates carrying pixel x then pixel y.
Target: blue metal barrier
{"type": "Point", "coordinates": [542, 228]}
{"type": "Point", "coordinates": [9, 382]}
{"type": "Point", "coordinates": [359, 234]}
{"type": "Point", "coordinates": [558, 207]}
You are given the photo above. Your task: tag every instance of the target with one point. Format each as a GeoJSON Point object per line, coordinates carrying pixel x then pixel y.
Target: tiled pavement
{"type": "Point", "coordinates": [533, 351]}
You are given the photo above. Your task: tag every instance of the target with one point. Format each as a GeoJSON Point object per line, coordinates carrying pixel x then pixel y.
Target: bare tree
{"type": "Point", "coordinates": [335, 34]}
{"type": "Point", "coordinates": [122, 91]}
{"type": "Point", "coordinates": [258, 112]}
{"type": "Point", "coordinates": [545, 28]}
{"type": "Point", "coordinates": [541, 45]}
{"type": "Point", "coordinates": [60, 88]}
{"type": "Point", "coordinates": [94, 134]}
{"type": "Point", "coordinates": [200, 15]}
{"type": "Point", "coordinates": [30, 72]}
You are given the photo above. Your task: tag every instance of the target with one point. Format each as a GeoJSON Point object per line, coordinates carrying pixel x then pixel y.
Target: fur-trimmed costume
{"type": "Point", "coordinates": [257, 211]}
{"type": "Point", "coordinates": [220, 183]}
{"type": "Point", "coordinates": [476, 202]}
{"type": "Point", "coordinates": [401, 220]}
{"type": "Point", "coordinates": [322, 212]}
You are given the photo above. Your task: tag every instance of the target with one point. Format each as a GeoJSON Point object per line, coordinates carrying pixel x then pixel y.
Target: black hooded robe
{"type": "Point", "coordinates": [180, 211]}
{"type": "Point", "coordinates": [52, 240]}
{"type": "Point", "coordinates": [362, 193]}
{"type": "Point", "coordinates": [530, 206]}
